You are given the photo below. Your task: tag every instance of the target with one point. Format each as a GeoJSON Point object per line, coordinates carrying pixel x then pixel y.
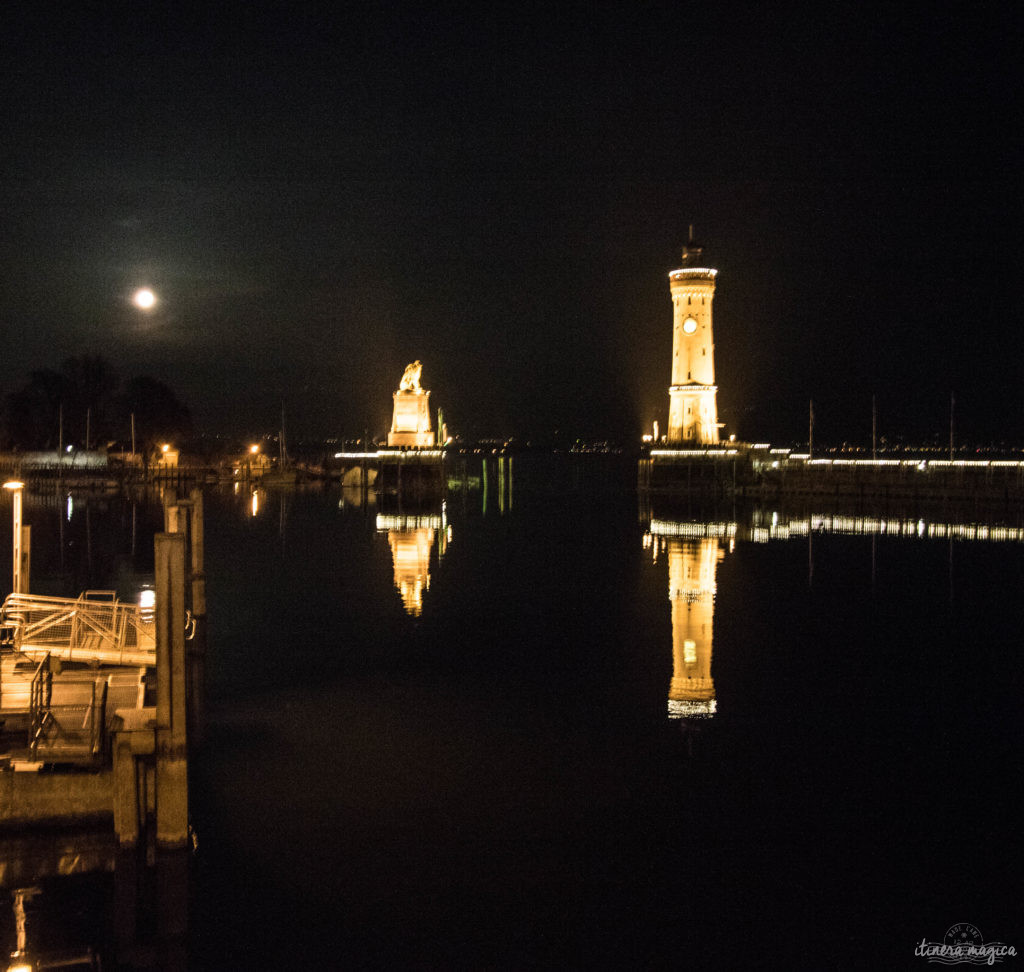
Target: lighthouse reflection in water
{"type": "Point", "coordinates": [692, 566]}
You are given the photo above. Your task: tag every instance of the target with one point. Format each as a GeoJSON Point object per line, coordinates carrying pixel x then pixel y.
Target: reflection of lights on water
{"type": "Point", "coordinates": [763, 531]}
{"type": "Point", "coordinates": [410, 551]}
{"type": "Point", "coordinates": [255, 502]}
{"type": "Point", "coordinates": [674, 528]}
{"type": "Point", "coordinates": [687, 709]}
{"type": "Point", "coordinates": [71, 507]}
{"type": "Point", "coordinates": [390, 521]}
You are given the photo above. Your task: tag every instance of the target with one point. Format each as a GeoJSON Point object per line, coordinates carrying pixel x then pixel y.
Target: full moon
{"type": "Point", "coordinates": [144, 299]}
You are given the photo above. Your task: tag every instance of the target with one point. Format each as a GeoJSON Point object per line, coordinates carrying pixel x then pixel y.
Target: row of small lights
{"type": "Point", "coordinates": [714, 453]}
{"type": "Point", "coordinates": [806, 457]}
{"type": "Point", "coordinates": [384, 453]}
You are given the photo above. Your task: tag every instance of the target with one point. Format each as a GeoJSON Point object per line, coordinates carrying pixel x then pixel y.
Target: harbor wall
{"type": "Point", "coordinates": [55, 798]}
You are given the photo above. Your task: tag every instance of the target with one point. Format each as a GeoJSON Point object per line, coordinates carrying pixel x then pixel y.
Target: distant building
{"type": "Point", "coordinates": [68, 459]}
{"type": "Point", "coordinates": [693, 408]}
{"type": "Point", "coordinates": [165, 458]}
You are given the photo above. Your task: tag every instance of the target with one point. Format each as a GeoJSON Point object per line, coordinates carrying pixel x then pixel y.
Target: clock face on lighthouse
{"type": "Point", "coordinates": [689, 325]}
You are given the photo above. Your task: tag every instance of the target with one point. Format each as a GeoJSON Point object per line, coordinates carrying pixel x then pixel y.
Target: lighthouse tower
{"type": "Point", "coordinates": [693, 409]}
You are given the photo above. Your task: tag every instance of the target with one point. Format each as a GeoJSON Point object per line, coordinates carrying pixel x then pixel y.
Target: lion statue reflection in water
{"type": "Point", "coordinates": [411, 378]}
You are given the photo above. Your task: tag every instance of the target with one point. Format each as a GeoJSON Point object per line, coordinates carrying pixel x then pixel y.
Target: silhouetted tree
{"type": "Point", "coordinates": [32, 413]}
{"type": "Point", "coordinates": [90, 405]}
{"type": "Point", "coordinates": [159, 415]}
{"type": "Point", "coordinates": [85, 392]}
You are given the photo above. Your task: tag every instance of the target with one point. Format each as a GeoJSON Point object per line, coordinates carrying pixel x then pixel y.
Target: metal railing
{"type": "Point", "coordinates": [95, 626]}
{"type": "Point", "coordinates": [40, 695]}
{"type": "Point", "coordinates": [72, 730]}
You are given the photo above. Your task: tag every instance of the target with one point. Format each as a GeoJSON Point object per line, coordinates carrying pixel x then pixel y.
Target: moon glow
{"type": "Point", "coordinates": [144, 299]}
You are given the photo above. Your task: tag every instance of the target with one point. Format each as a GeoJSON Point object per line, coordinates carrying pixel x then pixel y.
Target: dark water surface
{"type": "Point", "coordinates": [497, 780]}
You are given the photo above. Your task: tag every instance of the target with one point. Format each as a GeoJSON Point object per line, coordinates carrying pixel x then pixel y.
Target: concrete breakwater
{"type": "Point", "coordinates": [765, 473]}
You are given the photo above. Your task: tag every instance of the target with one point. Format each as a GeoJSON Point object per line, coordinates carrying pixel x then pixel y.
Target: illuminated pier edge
{"type": "Point", "coordinates": [693, 404]}
{"type": "Point", "coordinates": [691, 453]}
{"type": "Point", "coordinates": [803, 459]}
{"type": "Point", "coordinates": [390, 454]}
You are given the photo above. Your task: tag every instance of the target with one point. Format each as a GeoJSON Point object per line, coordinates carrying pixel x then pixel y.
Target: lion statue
{"type": "Point", "coordinates": [411, 378]}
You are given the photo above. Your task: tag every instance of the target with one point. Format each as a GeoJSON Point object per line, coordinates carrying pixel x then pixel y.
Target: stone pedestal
{"type": "Point", "coordinates": [410, 426]}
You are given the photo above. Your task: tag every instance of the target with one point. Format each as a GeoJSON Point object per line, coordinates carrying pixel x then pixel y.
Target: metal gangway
{"type": "Point", "coordinates": [93, 627]}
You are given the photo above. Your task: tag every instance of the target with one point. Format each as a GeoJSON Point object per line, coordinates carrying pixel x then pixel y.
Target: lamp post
{"type": "Point", "coordinates": [20, 540]}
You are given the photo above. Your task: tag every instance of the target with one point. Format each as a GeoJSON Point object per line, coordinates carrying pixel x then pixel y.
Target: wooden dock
{"type": "Point", "coordinates": [91, 741]}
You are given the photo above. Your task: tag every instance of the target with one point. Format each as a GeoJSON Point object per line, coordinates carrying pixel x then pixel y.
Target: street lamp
{"type": "Point", "coordinates": [20, 540]}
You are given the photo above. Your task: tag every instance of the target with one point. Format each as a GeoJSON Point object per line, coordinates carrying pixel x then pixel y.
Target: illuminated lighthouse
{"type": "Point", "coordinates": [693, 409]}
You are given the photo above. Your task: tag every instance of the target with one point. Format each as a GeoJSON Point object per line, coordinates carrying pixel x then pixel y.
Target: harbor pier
{"type": "Point", "coordinates": [765, 473]}
{"type": "Point", "coordinates": [407, 472]}
{"type": "Point", "coordinates": [97, 698]}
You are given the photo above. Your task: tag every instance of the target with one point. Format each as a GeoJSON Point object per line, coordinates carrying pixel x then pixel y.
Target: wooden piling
{"type": "Point", "coordinates": [196, 677]}
{"type": "Point", "coordinates": [171, 709]}
{"type": "Point", "coordinates": [126, 791]}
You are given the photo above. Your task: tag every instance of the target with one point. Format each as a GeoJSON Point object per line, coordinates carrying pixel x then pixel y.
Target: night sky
{"type": "Point", "coordinates": [321, 194]}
